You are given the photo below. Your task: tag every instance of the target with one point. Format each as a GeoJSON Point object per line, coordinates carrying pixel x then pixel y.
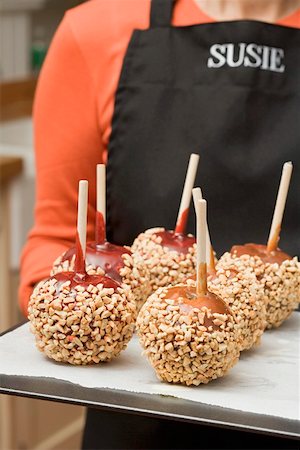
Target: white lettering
{"type": "Point", "coordinates": [277, 55]}
{"type": "Point", "coordinates": [215, 54]}
{"type": "Point", "coordinates": [265, 58]}
{"type": "Point", "coordinates": [247, 55]}
{"type": "Point", "coordinates": [253, 59]}
{"type": "Point", "coordinates": [230, 55]}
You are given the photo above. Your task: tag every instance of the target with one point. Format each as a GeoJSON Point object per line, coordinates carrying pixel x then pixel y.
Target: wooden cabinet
{"type": "Point", "coordinates": [9, 168]}
{"type": "Point", "coordinates": [43, 425]}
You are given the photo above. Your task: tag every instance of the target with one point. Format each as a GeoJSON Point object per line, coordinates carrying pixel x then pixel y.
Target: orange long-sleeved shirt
{"type": "Point", "coordinates": [72, 118]}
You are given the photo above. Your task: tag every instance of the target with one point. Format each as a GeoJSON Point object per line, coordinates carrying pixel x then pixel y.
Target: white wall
{"type": "Point", "coordinates": [16, 140]}
{"type": "Point", "coordinates": [19, 20]}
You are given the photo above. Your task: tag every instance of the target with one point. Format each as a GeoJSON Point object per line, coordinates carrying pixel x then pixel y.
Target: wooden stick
{"type": "Point", "coordinates": [279, 207]}
{"type": "Point", "coordinates": [81, 226]}
{"type": "Point", "coordinates": [100, 226]}
{"type": "Point", "coordinates": [201, 283]}
{"type": "Point", "coordinates": [187, 193]}
{"type": "Point", "coordinates": [197, 195]}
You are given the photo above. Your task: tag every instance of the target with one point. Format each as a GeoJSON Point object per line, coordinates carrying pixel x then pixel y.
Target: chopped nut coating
{"type": "Point", "coordinates": [165, 266]}
{"type": "Point", "coordinates": [185, 351]}
{"type": "Point", "coordinates": [96, 328]}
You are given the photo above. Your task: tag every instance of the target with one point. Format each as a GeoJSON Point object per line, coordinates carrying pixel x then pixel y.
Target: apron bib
{"type": "Point", "coordinates": [229, 91]}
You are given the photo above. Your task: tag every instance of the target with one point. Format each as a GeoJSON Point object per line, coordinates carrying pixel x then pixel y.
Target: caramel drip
{"type": "Point", "coordinates": [106, 256]}
{"type": "Point", "coordinates": [181, 225]}
{"type": "Point", "coordinates": [273, 243]}
{"type": "Point", "coordinates": [212, 265]}
{"type": "Point", "coordinates": [275, 256]}
{"type": "Point", "coordinates": [79, 259]}
{"type": "Point", "coordinates": [202, 279]}
{"type": "Point", "coordinates": [177, 242]}
{"type": "Point", "coordinates": [100, 232]}
{"type": "Point", "coordinates": [84, 280]}
{"type": "Point", "coordinates": [190, 299]}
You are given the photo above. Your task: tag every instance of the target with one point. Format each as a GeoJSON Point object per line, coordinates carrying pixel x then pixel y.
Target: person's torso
{"type": "Point", "coordinates": [221, 56]}
{"type": "Point", "coordinates": [103, 29]}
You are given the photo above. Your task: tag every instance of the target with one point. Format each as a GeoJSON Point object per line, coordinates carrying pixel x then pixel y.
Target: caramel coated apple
{"type": "Point", "coordinates": [188, 339]}
{"type": "Point", "coordinates": [81, 318]}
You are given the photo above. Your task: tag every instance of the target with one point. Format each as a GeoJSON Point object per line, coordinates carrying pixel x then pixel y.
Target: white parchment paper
{"type": "Point", "coordinates": [265, 381]}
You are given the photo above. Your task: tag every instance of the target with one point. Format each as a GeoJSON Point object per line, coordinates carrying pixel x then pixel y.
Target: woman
{"type": "Point", "coordinates": [217, 77]}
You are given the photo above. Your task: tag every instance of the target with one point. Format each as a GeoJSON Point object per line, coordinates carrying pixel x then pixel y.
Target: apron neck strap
{"type": "Point", "coordinates": [161, 13]}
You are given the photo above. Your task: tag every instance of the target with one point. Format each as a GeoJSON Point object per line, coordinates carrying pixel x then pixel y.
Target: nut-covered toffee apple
{"type": "Point", "coordinates": [79, 318]}
{"type": "Point", "coordinates": [278, 273]}
{"type": "Point", "coordinates": [188, 333]}
{"type": "Point", "coordinates": [237, 284]}
{"type": "Point", "coordinates": [104, 258]}
{"type": "Point", "coordinates": [81, 321]}
{"type": "Point", "coordinates": [170, 255]}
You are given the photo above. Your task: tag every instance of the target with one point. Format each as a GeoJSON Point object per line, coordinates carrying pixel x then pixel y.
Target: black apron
{"type": "Point", "coordinates": [229, 91]}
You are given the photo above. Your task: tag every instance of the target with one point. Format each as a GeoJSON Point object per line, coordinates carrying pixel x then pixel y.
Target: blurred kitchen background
{"type": "Point", "coordinates": [26, 30]}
